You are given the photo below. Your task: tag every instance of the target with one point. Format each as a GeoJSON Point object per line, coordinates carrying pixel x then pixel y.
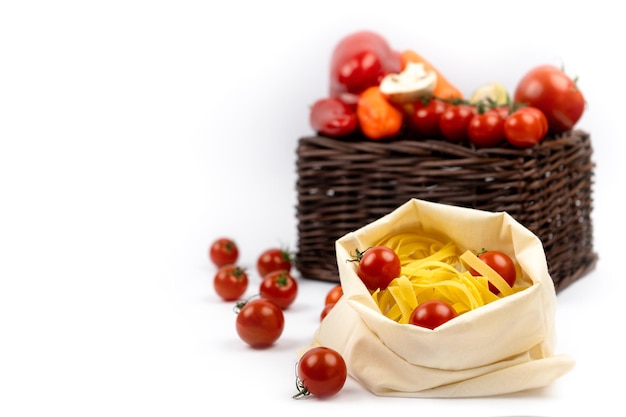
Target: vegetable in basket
{"type": "Point", "coordinates": [359, 61]}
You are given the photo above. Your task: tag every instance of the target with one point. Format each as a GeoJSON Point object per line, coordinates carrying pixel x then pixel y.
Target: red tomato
{"type": "Point", "coordinates": [230, 282]}
{"type": "Point", "coordinates": [539, 115]}
{"type": "Point", "coordinates": [549, 89]}
{"type": "Point", "coordinates": [326, 310]}
{"type": "Point", "coordinates": [431, 314]}
{"type": "Point", "coordinates": [260, 323]}
{"type": "Point", "coordinates": [279, 287]}
{"type": "Point", "coordinates": [321, 371]}
{"type": "Point", "coordinates": [378, 266]}
{"type": "Point", "coordinates": [334, 294]}
{"type": "Point", "coordinates": [425, 116]}
{"type": "Point", "coordinates": [454, 122]}
{"type": "Point", "coordinates": [332, 117]}
{"type": "Point", "coordinates": [223, 251]}
{"type": "Point", "coordinates": [486, 129]}
{"type": "Point", "coordinates": [501, 263]}
{"type": "Point", "coordinates": [274, 259]}
{"type": "Point", "coordinates": [525, 127]}
{"type": "Point", "coordinates": [360, 60]}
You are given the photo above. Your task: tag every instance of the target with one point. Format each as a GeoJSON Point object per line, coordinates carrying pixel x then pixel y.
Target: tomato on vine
{"type": "Point", "coordinates": [432, 314]}
{"type": "Point", "coordinates": [279, 287]}
{"type": "Point", "coordinates": [274, 259]}
{"type": "Point", "coordinates": [320, 371]}
{"type": "Point", "coordinates": [378, 266]}
{"type": "Point", "coordinates": [223, 251]}
{"type": "Point", "coordinates": [525, 127]}
{"type": "Point", "coordinates": [230, 282]}
{"type": "Point", "coordinates": [455, 120]}
{"type": "Point", "coordinates": [260, 322]}
{"type": "Point", "coordinates": [486, 129]}
{"type": "Point", "coordinates": [424, 120]}
{"type": "Point", "coordinates": [543, 121]}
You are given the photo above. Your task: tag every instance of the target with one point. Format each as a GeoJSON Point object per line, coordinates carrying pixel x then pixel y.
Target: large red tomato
{"type": "Point", "coordinates": [549, 89]}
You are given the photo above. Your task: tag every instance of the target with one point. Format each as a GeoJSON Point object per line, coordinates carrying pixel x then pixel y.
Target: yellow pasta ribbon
{"type": "Point", "coordinates": [433, 269]}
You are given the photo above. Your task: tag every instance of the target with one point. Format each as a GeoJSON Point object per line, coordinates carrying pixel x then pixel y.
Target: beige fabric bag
{"type": "Point", "coordinates": [502, 347]}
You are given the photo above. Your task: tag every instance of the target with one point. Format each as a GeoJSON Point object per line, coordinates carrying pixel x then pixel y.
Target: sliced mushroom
{"type": "Point", "coordinates": [410, 85]}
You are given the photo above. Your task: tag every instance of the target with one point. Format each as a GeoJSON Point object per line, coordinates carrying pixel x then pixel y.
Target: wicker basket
{"type": "Point", "coordinates": [343, 185]}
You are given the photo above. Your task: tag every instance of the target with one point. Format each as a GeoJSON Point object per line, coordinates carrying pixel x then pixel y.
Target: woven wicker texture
{"type": "Point", "coordinates": [343, 185]}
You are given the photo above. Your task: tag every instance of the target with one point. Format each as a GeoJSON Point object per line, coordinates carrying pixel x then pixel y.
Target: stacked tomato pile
{"type": "Point", "coordinates": [377, 93]}
{"type": "Point", "coordinates": [260, 320]}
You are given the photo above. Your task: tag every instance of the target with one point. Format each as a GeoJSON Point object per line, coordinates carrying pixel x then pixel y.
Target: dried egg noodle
{"type": "Point", "coordinates": [433, 269]}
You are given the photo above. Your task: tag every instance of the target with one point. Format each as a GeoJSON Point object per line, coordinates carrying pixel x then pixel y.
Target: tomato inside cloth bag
{"type": "Point", "coordinates": [496, 345]}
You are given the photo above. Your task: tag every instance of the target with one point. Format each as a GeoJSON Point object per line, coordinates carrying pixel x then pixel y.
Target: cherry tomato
{"type": "Point", "coordinates": [334, 294]}
{"type": "Point", "coordinates": [525, 127]}
{"type": "Point", "coordinates": [230, 282]}
{"type": "Point", "coordinates": [549, 89]}
{"type": "Point", "coordinates": [486, 129]}
{"type": "Point", "coordinates": [425, 116]}
{"type": "Point", "coordinates": [454, 122]}
{"type": "Point", "coordinates": [501, 263]}
{"type": "Point", "coordinates": [332, 117]}
{"type": "Point", "coordinates": [223, 251]}
{"type": "Point", "coordinates": [378, 266]}
{"type": "Point", "coordinates": [274, 259]}
{"type": "Point", "coordinates": [260, 323]}
{"type": "Point", "coordinates": [279, 287]}
{"type": "Point", "coordinates": [539, 115]}
{"type": "Point", "coordinates": [321, 371]}
{"type": "Point", "coordinates": [326, 310]}
{"type": "Point", "coordinates": [431, 314]}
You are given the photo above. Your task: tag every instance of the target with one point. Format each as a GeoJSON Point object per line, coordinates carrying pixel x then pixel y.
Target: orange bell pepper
{"type": "Point", "coordinates": [444, 88]}
{"type": "Point", "coordinates": [378, 118]}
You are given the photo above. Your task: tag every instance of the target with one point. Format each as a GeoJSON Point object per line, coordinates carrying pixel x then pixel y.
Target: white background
{"type": "Point", "coordinates": [133, 133]}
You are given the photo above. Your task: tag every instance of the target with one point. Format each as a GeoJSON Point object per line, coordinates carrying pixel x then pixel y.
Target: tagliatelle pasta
{"type": "Point", "coordinates": [433, 269]}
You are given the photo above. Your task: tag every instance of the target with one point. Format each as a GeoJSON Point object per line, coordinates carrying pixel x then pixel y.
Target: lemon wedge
{"type": "Point", "coordinates": [492, 93]}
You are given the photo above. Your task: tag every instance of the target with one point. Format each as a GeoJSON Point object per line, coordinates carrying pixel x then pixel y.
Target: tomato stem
{"type": "Point", "coordinates": [357, 256]}
{"type": "Point", "coordinates": [302, 391]}
{"type": "Point", "coordinates": [240, 304]}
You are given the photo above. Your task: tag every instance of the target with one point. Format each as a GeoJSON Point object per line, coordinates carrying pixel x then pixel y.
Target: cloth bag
{"type": "Point", "coordinates": [502, 347]}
